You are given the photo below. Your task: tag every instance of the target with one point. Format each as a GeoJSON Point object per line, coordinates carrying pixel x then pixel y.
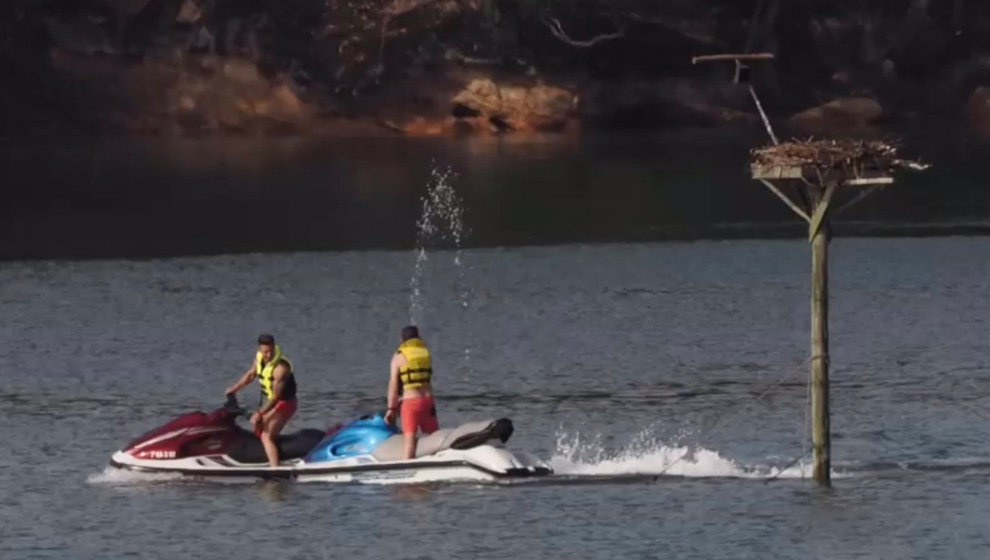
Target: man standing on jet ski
{"type": "Point", "coordinates": [278, 385]}
{"type": "Point", "coordinates": [412, 369]}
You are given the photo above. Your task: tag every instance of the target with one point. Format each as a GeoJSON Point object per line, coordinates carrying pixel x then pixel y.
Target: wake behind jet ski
{"type": "Point", "coordinates": [365, 450]}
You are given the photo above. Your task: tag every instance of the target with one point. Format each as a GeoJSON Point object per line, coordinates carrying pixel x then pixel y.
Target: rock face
{"type": "Point", "coordinates": [978, 111]}
{"type": "Point", "coordinates": [189, 12]}
{"type": "Point", "coordinates": [840, 116]}
{"type": "Point", "coordinates": [666, 103]}
{"type": "Point", "coordinates": [485, 105]}
{"type": "Point", "coordinates": [83, 36]}
{"type": "Point", "coordinates": [198, 96]}
{"type": "Point", "coordinates": [236, 98]}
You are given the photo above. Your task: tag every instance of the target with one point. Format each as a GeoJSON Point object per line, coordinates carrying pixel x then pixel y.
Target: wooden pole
{"type": "Point", "coordinates": [820, 436]}
{"type": "Point", "coordinates": [763, 115]}
{"type": "Point", "coordinates": [815, 200]}
{"type": "Point", "coordinates": [790, 203]}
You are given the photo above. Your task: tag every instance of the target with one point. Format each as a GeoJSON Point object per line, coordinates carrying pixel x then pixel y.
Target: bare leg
{"type": "Point", "coordinates": [272, 425]}
{"type": "Point", "coordinates": [410, 445]}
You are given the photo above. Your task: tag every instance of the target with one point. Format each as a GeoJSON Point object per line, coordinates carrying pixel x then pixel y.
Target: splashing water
{"type": "Point", "coordinates": [120, 477]}
{"type": "Point", "coordinates": [645, 455]}
{"type": "Point", "coordinates": [440, 226]}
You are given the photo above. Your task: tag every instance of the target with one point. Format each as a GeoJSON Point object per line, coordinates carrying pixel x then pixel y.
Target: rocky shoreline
{"type": "Point", "coordinates": [468, 67]}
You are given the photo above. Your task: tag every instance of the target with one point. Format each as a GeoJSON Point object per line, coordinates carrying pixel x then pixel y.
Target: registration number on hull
{"type": "Point", "coordinates": [158, 454]}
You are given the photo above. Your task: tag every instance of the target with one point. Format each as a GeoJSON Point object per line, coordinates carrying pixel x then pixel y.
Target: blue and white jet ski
{"type": "Point", "coordinates": [365, 450]}
{"type": "Point", "coordinates": [368, 449]}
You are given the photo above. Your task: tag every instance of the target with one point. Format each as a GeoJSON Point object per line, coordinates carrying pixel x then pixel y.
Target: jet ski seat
{"type": "Point", "coordinates": [248, 449]}
{"type": "Point", "coordinates": [464, 436]}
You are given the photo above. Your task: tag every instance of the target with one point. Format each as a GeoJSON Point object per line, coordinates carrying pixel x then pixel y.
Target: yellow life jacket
{"type": "Point", "coordinates": [418, 368]}
{"type": "Point", "coordinates": [265, 373]}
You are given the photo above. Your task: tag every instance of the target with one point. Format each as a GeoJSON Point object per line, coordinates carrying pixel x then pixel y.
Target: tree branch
{"type": "Point", "coordinates": [557, 31]}
{"type": "Point", "coordinates": [714, 57]}
{"type": "Point", "coordinates": [399, 7]}
{"type": "Point", "coordinates": [394, 10]}
{"type": "Point", "coordinates": [454, 54]}
{"type": "Point", "coordinates": [680, 29]}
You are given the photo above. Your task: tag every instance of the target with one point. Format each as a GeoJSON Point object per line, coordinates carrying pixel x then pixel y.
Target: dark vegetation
{"type": "Point", "coordinates": [153, 65]}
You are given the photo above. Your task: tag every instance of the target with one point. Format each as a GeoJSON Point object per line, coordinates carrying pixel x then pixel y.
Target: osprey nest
{"type": "Point", "coordinates": [853, 158]}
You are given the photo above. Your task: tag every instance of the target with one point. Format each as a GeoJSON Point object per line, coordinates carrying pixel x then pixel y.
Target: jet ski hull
{"type": "Point", "coordinates": [366, 450]}
{"type": "Point", "coordinates": [450, 465]}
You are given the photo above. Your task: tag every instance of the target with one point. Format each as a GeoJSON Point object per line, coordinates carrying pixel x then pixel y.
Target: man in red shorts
{"type": "Point", "coordinates": [278, 385]}
{"type": "Point", "coordinates": [411, 372]}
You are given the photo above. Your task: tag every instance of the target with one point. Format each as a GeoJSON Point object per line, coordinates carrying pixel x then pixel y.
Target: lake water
{"type": "Point", "coordinates": [613, 360]}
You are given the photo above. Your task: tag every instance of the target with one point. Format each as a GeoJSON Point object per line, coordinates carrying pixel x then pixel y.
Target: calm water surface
{"type": "Point", "coordinates": [612, 360]}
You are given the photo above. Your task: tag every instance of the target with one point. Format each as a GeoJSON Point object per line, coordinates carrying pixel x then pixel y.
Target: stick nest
{"type": "Point", "coordinates": [850, 156]}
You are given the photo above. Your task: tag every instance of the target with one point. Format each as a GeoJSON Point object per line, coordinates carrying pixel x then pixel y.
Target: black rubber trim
{"type": "Point", "coordinates": [500, 429]}
{"type": "Point", "coordinates": [287, 474]}
{"type": "Point", "coordinates": [524, 472]}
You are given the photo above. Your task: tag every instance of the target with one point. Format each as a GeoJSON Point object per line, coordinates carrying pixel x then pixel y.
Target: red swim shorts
{"type": "Point", "coordinates": [418, 413]}
{"type": "Point", "coordinates": [285, 409]}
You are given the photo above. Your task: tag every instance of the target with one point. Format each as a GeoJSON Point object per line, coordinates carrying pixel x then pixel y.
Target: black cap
{"type": "Point", "coordinates": [266, 339]}
{"type": "Point", "coordinates": [410, 332]}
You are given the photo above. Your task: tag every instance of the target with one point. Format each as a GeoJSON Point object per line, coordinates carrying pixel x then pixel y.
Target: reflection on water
{"type": "Point", "coordinates": [411, 492]}
{"type": "Point", "coordinates": [274, 491]}
{"type": "Point", "coordinates": [151, 197]}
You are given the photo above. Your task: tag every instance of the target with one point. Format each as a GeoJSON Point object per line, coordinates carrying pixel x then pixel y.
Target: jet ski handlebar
{"type": "Point", "coordinates": [233, 407]}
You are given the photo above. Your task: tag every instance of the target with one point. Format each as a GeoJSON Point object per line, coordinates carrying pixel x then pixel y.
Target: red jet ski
{"type": "Point", "coordinates": [203, 443]}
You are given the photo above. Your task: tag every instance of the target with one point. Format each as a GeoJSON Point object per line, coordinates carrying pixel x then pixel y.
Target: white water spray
{"type": "Point", "coordinates": [120, 477]}
{"type": "Point", "coordinates": [645, 455]}
{"type": "Point", "coordinates": [440, 226]}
